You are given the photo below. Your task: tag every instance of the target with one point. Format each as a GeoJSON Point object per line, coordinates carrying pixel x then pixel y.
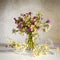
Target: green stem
{"type": "Point", "coordinates": [31, 43]}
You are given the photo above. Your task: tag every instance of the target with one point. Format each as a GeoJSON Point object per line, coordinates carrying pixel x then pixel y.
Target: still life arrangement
{"type": "Point", "coordinates": [29, 24]}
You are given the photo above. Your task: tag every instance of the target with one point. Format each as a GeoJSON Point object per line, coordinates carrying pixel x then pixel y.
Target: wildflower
{"type": "Point", "coordinates": [33, 22]}
{"type": "Point", "coordinates": [30, 13]}
{"type": "Point", "coordinates": [30, 29]}
{"type": "Point", "coordinates": [20, 19]}
{"type": "Point", "coordinates": [17, 21]}
{"type": "Point", "coordinates": [34, 17]}
{"type": "Point", "coordinates": [48, 21]}
{"type": "Point", "coordinates": [20, 26]}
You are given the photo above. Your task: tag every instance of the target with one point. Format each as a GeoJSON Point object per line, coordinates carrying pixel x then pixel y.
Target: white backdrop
{"type": "Point", "coordinates": [12, 8]}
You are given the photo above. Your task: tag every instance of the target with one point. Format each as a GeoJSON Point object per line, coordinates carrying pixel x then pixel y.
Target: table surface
{"type": "Point", "coordinates": [8, 54]}
{"type": "Point", "coordinates": [14, 56]}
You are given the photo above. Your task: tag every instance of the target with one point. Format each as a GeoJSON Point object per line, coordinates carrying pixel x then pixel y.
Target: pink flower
{"type": "Point", "coordinates": [33, 22]}
{"type": "Point", "coordinates": [30, 13]}
{"type": "Point", "coordinates": [30, 29]}
{"type": "Point", "coordinates": [48, 21]}
{"type": "Point", "coordinates": [20, 26]}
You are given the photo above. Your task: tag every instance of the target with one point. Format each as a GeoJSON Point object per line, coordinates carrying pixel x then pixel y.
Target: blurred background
{"type": "Point", "coordinates": [12, 8]}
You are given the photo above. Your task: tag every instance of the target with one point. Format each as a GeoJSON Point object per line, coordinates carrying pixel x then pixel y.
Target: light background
{"type": "Point", "coordinates": [12, 8]}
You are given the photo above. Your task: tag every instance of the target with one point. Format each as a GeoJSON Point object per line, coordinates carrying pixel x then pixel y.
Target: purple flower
{"type": "Point", "coordinates": [24, 14]}
{"type": "Point", "coordinates": [30, 13]}
{"type": "Point", "coordinates": [20, 26]}
{"type": "Point", "coordinates": [20, 19]}
{"type": "Point", "coordinates": [15, 19]}
{"type": "Point", "coordinates": [48, 21]}
{"type": "Point", "coordinates": [34, 17]}
{"type": "Point", "coordinates": [29, 29]}
{"type": "Point", "coordinates": [33, 22]}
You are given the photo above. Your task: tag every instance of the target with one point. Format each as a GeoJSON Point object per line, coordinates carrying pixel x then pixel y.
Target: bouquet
{"type": "Point", "coordinates": [31, 25]}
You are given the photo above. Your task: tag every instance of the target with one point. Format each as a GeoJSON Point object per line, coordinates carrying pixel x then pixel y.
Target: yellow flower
{"type": "Point", "coordinates": [24, 46]}
{"type": "Point", "coordinates": [45, 29]}
{"type": "Point", "coordinates": [57, 49]}
{"type": "Point", "coordinates": [37, 51]}
{"type": "Point", "coordinates": [32, 26]}
{"type": "Point", "coordinates": [46, 47]}
{"type": "Point", "coordinates": [39, 14]}
{"type": "Point", "coordinates": [15, 45]}
{"type": "Point", "coordinates": [21, 33]}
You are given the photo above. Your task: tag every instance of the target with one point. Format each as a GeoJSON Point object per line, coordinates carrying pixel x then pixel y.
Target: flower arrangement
{"type": "Point", "coordinates": [31, 25]}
